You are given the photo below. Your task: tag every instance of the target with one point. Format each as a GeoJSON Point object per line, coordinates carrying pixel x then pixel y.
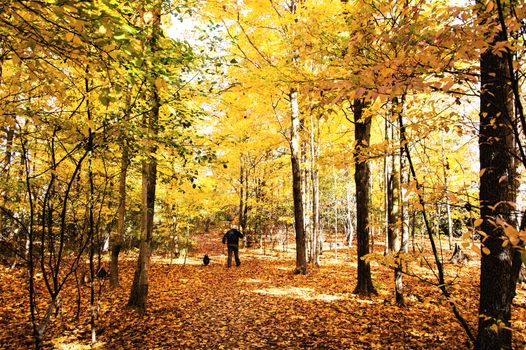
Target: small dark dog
{"type": "Point", "coordinates": [206, 260]}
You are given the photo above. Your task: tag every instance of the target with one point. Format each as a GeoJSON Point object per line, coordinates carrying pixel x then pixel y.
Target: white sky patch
{"type": "Point", "coordinates": [183, 29]}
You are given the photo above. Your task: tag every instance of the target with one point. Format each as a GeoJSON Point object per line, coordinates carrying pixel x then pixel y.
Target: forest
{"type": "Point", "coordinates": [370, 152]}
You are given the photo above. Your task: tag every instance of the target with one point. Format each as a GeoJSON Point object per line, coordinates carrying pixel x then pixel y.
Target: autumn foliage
{"type": "Point", "coordinates": [261, 304]}
{"type": "Point", "coordinates": [347, 140]}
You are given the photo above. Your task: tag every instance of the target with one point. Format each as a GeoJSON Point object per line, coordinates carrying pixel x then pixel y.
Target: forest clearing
{"type": "Point", "coordinates": [260, 305]}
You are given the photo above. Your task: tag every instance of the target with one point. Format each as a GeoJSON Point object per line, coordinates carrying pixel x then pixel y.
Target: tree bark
{"type": "Point", "coordinates": [299, 226]}
{"type": "Point", "coordinates": [445, 167]}
{"type": "Point", "coordinates": [386, 172]}
{"type": "Point", "coordinates": [118, 237]}
{"type": "Point", "coordinates": [394, 230]}
{"type": "Point", "coordinates": [139, 291]}
{"type": "Point", "coordinates": [498, 186]}
{"type": "Point", "coordinates": [6, 169]}
{"type": "Point", "coordinates": [362, 132]}
{"type": "Point", "coordinates": [349, 227]}
{"type": "Point", "coordinates": [243, 199]}
{"type": "Point", "coordinates": [315, 250]}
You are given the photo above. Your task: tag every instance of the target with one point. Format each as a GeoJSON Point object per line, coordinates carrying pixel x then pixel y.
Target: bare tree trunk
{"type": "Point", "coordinates": [335, 216]}
{"type": "Point", "coordinates": [387, 137]}
{"type": "Point", "coordinates": [6, 167]}
{"type": "Point", "coordinates": [308, 214]}
{"type": "Point", "coordinates": [362, 176]}
{"type": "Point", "coordinates": [243, 197]}
{"type": "Point", "coordinates": [118, 237]}
{"type": "Point", "coordinates": [350, 232]}
{"type": "Point", "coordinates": [299, 226]}
{"type": "Point", "coordinates": [498, 184]}
{"type": "Point", "coordinates": [315, 194]}
{"type": "Point", "coordinates": [91, 220]}
{"type": "Point", "coordinates": [396, 229]}
{"type": "Point", "coordinates": [445, 168]}
{"type": "Point", "coordinates": [412, 214]}
{"type": "Point", "coordinates": [241, 191]}
{"type": "Point", "coordinates": [139, 291]}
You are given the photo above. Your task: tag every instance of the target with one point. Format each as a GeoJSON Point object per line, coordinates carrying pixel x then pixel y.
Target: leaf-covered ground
{"type": "Point", "coordinates": [260, 305]}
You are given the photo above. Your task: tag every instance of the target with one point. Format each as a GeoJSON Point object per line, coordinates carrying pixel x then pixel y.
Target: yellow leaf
{"type": "Point", "coordinates": [159, 83]}
{"type": "Point", "coordinates": [69, 36]}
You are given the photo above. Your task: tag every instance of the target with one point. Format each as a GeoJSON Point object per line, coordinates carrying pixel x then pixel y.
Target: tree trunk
{"type": "Point", "coordinates": [362, 132]}
{"type": "Point", "coordinates": [139, 291]}
{"type": "Point", "coordinates": [6, 166]}
{"type": "Point", "coordinates": [397, 240]}
{"type": "Point", "coordinates": [498, 186]}
{"type": "Point", "coordinates": [445, 167]}
{"type": "Point", "coordinates": [299, 226]}
{"type": "Point", "coordinates": [315, 195]}
{"type": "Point", "coordinates": [387, 138]}
{"type": "Point", "coordinates": [243, 198]}
{"type": "Point", "coordinates": [349, 237]}
{"type": "Point", "coordinates": [393, 228]}
{"type": "Point", "coordinates": [335, 216]}
{"type": "Point", "coordinates": [118, 238]}
{"type": "Point", "coordinates": [307, 202]}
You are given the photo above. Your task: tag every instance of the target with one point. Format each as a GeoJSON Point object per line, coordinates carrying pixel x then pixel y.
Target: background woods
{"type": "Point", "coordinates": [377, 142]}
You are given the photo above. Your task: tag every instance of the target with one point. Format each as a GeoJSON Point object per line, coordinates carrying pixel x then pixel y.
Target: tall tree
{"type": "Point", "coordinates": [117, 238]}
{"type": "Point", "coordinates": [299, 225]}
{"type": "Point", "coordinates": [362, 178]}
{"type": "Point", "coordinates": [295, 159]}
{"type": "Point", "coordinates": [498, 188]}
{"type": "Point", "coordinates": [315, 189]}
{"type": "Point", "coordinates": [139, 290]}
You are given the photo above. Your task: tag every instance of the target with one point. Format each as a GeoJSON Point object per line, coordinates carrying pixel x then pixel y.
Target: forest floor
{"type": "Point", "coordinates": [259, 305]}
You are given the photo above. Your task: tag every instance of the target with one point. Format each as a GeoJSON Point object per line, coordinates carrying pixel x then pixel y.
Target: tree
{"type": "Point", "coordinates": [299, 225]}
{"type": "Point", "coordinates": [498, 188]}
{"type": "Point", "coordinates": [139, 290]}
{"type": "Point", "coordinates": [117, 238]}
{"type": "Point", "coordinates": [362, 178]}
{"type": "Point", "coordinates": [396, 233]}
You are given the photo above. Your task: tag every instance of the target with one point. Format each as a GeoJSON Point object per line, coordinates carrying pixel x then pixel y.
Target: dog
{"type": "Point", "coordinates": [206, 260]}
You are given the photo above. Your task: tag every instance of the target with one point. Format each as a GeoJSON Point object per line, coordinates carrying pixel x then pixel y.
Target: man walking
{"type": "Point", "coordinates": [231, 239]}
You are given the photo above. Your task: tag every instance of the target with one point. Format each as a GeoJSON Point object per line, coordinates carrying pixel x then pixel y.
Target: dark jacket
{"type": "Point", "coordinates": [232, 237]}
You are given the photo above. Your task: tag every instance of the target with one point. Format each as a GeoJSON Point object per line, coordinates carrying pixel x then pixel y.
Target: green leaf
{"type": "Point", "coordinates": [129, 29]}
{"type": "Point", "coordinates": [120, 36]}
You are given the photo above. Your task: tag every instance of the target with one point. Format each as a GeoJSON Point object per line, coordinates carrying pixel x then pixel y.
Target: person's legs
{"type": "Point", "coordinates": [229, 261]}
{"type": "Point", "coordinates": [236, 255]}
